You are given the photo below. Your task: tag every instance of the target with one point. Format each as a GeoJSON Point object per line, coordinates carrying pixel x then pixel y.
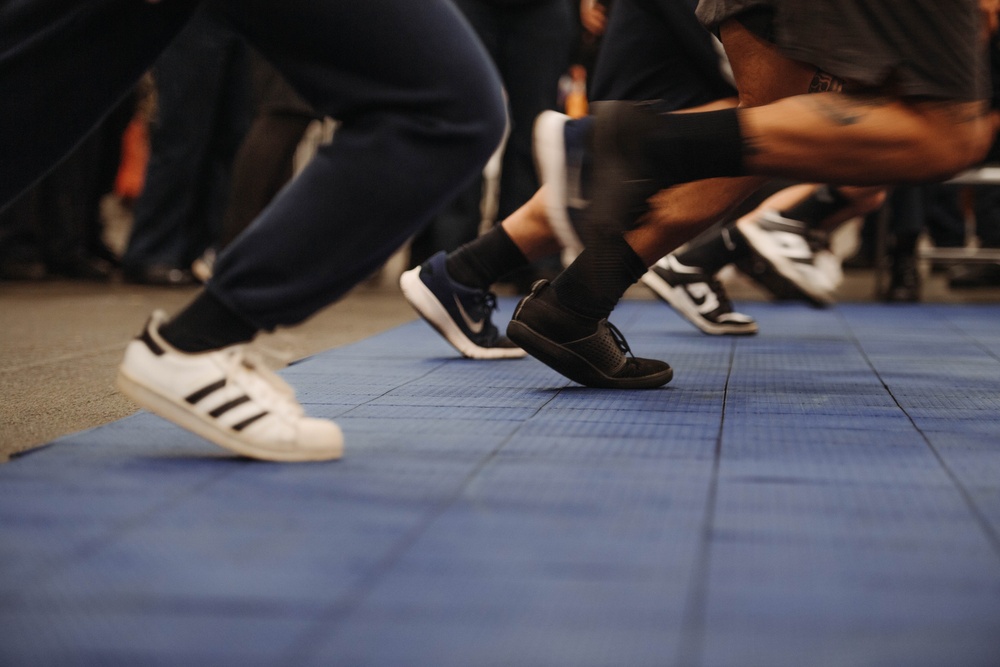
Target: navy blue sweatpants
{"type": "Point", "coordinates": [419, 103]}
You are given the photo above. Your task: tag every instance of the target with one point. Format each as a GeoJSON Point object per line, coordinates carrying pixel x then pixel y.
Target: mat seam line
{"type": "Point", "coordinates": [987, 528]}
{"type": "Point", "coordinates": [353, 599]}
{"type": "Point", "coordinates": [693, 621]}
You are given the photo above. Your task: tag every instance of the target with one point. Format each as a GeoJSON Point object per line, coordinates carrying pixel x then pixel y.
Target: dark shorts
{"type": "Point", "coordinates": [657, 50]}
{"type": "Point", "coordinates": [923, 48]}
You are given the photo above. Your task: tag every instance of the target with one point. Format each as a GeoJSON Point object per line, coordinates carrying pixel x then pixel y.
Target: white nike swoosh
{"type": "Point", "coordinates": [474, 326]}
{"type": "Point", "coordinates": [677, 267]}
{"type": "Point", "coordinates": [704, 297]}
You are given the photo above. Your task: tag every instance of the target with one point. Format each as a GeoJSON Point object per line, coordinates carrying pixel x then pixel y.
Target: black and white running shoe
{"type": "Point", "coordinates": [225, 396]}
{"type": "Point", "coordinates": [461, 314]}
{"type": "Point", "coordinates": [698, 297]}
{"type": "Point", "coordinates": [795, 255]}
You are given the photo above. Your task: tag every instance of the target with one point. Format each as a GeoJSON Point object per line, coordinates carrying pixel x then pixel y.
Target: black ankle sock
{"type": "Point", "coordinates": [593, 284]}
{"type": "Point", "coordinates": [694, 146]}
{"type": "Point", "coordinates": [713, 250]}
{"type": "Point", "coordinates": [817, 207]}
{"type": "Point", "coordinates": [206, 324]}
{"type": "Point", "coordinates": [482, 262]}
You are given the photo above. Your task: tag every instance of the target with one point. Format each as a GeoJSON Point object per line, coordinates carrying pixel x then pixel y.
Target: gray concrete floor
{"type": "Point", "coordinates": [60, 342]}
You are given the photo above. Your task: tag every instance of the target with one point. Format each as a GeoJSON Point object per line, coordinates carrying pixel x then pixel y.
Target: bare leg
{"type": "Point", "coordinates": [826, 136]}
{"type": "Point", "coordinates": [865, 139]}
{"type": "Point", "coordinates": [528, 227]}
{"type": "Point", "coordinates": [861, 201]}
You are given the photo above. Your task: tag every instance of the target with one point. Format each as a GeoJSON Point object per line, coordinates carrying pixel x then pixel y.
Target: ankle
{"type": "Point", "coordinates": [561, 323]}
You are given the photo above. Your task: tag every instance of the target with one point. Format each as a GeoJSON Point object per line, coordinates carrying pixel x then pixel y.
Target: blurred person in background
{"type": "Point", "coordinates": [203, 110]}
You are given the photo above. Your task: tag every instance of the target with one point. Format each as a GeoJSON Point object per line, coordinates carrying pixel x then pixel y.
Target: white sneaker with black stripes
{"type": "Point", "coordinates": [224, 396]}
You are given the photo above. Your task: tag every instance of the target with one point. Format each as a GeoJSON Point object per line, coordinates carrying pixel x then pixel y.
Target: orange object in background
{"type": "Point", "coordinates": [135, 157]}
{"type": "Point", "coordinates": [576, 98]}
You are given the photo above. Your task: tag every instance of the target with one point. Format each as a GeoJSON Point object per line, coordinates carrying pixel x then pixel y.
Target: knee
{"type": "Point", "coordinates": [477, 116]}
{"type": "Point", "coordinates": [493, 122]}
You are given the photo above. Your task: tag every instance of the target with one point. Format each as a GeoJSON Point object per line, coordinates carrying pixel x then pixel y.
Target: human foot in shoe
{"type": "Point", "coordinates": [461, 314]}
{"type": "Point", "coordinates": [224, 396]}
{"type": "Point", "coordinates": [795, 256]}
{"type": "Point", "coordinates": [698, 297]}
{"type": "Point", "coordinates": [589, 351]}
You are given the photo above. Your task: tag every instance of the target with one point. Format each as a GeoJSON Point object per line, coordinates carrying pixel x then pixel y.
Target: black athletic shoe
{"type": "Point", "coordinates": [698, 297]}
{"type": "Point", "coordinates": [599, 357]}
{"type": "Point", "coordinates": [461, 314]}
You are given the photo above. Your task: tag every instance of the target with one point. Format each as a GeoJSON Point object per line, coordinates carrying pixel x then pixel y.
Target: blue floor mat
{"type": "Point", "coordinates": [824, 493]}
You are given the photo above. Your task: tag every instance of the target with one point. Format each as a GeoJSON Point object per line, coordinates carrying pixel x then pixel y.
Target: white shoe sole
{"type": "Point", "coordinates": [550, 160]}
{"type": "Point", "coordinates": [430, 309]}
{"type": "Point", "coordinates": [678, 299]}
{"type": "Point", "coordinates": [182, 416]}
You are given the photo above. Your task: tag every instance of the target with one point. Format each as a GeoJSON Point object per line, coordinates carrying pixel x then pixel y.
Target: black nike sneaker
{"type": "Point", "coordinates": [461, 314]}
{"type": "Point", "coordinates": [588, 351]}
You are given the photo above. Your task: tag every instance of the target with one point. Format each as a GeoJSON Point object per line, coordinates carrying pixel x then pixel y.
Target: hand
{"type": "Point", "coordinates": [991, 15]}
{"type": "Point", "coordinates": [594, 18]}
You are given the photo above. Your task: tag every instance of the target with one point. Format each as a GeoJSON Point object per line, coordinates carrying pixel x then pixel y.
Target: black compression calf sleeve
{"type": "Point", "coordinates": [593, 284]}
{"type": "Point", "coordinates": [693, 146]}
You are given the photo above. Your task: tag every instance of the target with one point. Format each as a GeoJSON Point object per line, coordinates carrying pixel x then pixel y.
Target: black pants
{"type": "Point", "coordinates": [657, 50]}
{"type": "Point", "coordinates": [420, 107]}
{"type": "Point", "coordinates": [530, 45]}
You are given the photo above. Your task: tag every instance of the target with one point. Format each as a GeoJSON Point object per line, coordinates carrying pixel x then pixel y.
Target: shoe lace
{"type": "Point", "coordinates": [261, 382]}
{"type": "Point", "coordinates": [487, 301]}
{"type": "Point", "coordinates": [619, 339]}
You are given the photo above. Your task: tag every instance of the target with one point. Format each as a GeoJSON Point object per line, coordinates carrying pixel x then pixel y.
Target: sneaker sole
{"type": "Point", "coordinates": [676, 299]}
{"type": "Point", "coordinates": [430, 309]}
{"type": "Point", "coordinates": [784, 267]}
{"type": "Point", "coordinates": [183, 417]}
{"type": "Point", "coordinates": [558, 358]}
{"type": "Point", "coordinates": [550, 161]}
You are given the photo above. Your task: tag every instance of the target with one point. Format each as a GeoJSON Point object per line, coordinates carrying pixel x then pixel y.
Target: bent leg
{"type": "Point", "coordinates": [865, 139]}
{"type": "Point", "coordinates": [528, 227]}
{"type": "Point", "coordinates": [796, 123]}
{"type": "Point", "coordinates": [417, 123]}
{"type": "Point", "coordinates": [835, 136]}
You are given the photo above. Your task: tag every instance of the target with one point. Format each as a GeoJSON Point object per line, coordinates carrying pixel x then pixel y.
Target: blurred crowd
{"type": "Point", "coordinates": [213, 132]}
